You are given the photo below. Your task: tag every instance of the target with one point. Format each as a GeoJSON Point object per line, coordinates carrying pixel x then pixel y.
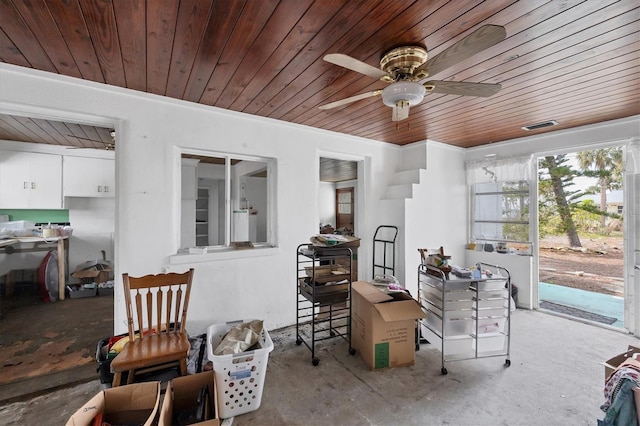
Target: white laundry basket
{"type": "Point", "coordinates": [239, 378]}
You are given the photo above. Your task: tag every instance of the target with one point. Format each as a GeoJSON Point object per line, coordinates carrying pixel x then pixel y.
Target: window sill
{"type": "Point", "coordinates": [503, 254]}
{"type": "Point", "coordinates": [222, 253]}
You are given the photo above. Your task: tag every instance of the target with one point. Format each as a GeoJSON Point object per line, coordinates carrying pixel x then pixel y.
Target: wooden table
{"type": "Point", "coordinates": [34, 244]}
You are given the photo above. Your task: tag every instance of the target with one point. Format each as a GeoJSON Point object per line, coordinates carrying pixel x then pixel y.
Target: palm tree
{"type": "Point", "coordinates": [605, 165]}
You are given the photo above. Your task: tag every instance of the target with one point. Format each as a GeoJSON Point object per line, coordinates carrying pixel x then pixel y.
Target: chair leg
{"type": "Point", "coordinates": [117, 377]}
{"type": "Point", "coordinates": [130, 376]}
{"type": "Point", "coordinates": [183, 367]}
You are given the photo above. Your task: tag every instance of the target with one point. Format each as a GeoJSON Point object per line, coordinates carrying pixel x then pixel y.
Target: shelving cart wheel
{"type": "Point", "coordinates": [298, 340]}
{"type": "Point", "coordinates": [332, 333]}
{"type": "Point", "coordinates": [444, 371]}
{"type": "Point", "coordinates": [315, 361]}
{"type": "Point", "coordinates": [352, 351]}
{"type": "Point", "coordinates": [507, 362]}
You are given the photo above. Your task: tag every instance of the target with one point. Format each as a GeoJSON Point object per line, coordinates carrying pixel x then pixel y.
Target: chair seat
{"type": "Point", "coordinates": [152, 350]}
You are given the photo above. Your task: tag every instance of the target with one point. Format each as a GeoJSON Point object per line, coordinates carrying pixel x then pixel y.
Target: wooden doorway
{"type": "Point", "coordinates": [344, 209]}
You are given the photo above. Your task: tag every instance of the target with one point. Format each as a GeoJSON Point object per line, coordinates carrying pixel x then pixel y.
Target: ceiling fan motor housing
{"type": "Point", "coordinates": [400, 62]}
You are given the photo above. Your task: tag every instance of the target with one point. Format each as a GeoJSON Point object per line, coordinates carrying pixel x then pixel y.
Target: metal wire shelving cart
{"type": "Point", "coordinates": [323, 302]}
{"type": "Point", "coordinates": [467, 317]}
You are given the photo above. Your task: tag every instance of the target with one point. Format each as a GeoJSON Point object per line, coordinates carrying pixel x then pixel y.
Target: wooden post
{"type": "Point", "coordinates": [61, 271]}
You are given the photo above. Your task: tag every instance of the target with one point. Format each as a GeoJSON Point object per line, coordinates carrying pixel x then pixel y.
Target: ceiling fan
{"type": "Point", "coordinates": [109, 146]}
{"type": "Point", "coordinates": [407, 67]}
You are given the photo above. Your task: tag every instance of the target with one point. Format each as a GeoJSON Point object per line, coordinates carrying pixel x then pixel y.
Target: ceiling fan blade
{"type": "Point", "coordinates": [479, 40]}
{"type": "Point", "coordinates": [109, 146]}
{"type": "Point", "coordinates": [351, 99]}
{"type": "Point", "coordinates": [348, 62]}
{"type": "Point", "coordinates": [462, 88]}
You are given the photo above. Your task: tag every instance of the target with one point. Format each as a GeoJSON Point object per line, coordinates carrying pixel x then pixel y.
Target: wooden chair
{"type": "Point", "coordinates": [157, 307]}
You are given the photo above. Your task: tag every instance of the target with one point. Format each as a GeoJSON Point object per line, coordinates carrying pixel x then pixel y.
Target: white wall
{"type": "Point", "coordinates": [327, 203]}
{"type": "Point", "coordinates": [437, 215]}
{"type": "Point", "coordinates": [151, 129]}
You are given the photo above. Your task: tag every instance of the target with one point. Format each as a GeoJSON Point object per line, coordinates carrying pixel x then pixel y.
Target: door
{"type": "Point", "coordinates": [581, 259]}
{"type": "Point", "coordinates": [344, 208]}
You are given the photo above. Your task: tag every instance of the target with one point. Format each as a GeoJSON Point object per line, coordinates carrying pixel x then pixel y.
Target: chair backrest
{"type": "Point", "coordinates": [157, 303]}
{"type": "Point", "coordinates": [423, 256]}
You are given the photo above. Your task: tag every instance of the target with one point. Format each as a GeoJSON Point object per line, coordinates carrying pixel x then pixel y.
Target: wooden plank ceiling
{"type": "Point", "coordinates": [576, 62]}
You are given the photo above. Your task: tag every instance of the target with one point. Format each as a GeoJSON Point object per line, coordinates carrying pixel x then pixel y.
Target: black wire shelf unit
{"type": "Point", "coordinates": [323, 302]}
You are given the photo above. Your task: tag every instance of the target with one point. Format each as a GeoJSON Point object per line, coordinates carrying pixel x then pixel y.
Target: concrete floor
{"type": "Point", "coordinates": [555, 378]}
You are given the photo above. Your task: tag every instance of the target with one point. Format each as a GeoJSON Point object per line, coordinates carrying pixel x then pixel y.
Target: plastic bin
{"type": "Point", "coordinates": [104, 363]}
{"type": "Point", "coordinates": [491, 325]}
{"type": "Point", "coordinates": [18, 225]}
{"type": "Point", "coordinates": [490, 342]}
{"type": "Point", "coordinates": [240, 377]}
{"type": "Point", "coordinates": [491, 285]}
{"type": "Point", "coordinates": [460, 325]}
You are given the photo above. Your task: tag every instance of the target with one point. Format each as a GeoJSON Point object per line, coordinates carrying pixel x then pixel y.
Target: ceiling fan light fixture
{"type": "Point", "coordinates": [409, 91]}
{"type": "Point", "coordinates": [400, 111]}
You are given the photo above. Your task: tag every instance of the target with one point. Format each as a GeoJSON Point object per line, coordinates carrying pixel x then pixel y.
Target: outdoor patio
{"type": "Point", "coordinates": [587, 305]}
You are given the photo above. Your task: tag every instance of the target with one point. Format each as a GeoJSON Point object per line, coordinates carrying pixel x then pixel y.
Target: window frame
{"type": "Point", "coordinates": [521, 246]}
{"type": "Point", "coordinates": [231, 203]}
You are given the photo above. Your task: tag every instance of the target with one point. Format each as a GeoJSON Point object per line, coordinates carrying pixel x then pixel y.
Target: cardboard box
{"type": "Point", "coordinates": [93, 274]}
{"type": "Point", "coordinates": [611, 364]}
{"type": "Point", "coordinates": [384, 326]}
{"type": "Point", "coordinates": [129, 404]}
{"type": "Point", "coordinates": [333, 240]}
{"type": "Point", "coordinates": [182, 396]}
{"type": "Point", "coordinates": [93, 271]}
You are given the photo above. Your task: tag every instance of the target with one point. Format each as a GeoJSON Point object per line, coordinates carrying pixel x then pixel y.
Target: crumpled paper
{"type": "Point", "coordinates": [240, 338]}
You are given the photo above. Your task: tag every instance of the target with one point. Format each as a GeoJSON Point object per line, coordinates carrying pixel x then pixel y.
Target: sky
{"type": "Point", "coordinates": [581, 183]}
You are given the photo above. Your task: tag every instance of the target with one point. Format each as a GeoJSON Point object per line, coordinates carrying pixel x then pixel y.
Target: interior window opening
{"type": "Point", "coordinates": [225, 202]}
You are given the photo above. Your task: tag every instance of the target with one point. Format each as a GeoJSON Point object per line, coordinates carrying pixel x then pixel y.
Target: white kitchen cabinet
{"type": "Point", "coordinates": [30, 180]}
{"type": "Point", "coordinates": [88, 177]}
